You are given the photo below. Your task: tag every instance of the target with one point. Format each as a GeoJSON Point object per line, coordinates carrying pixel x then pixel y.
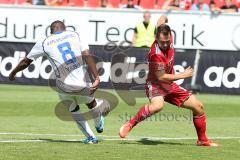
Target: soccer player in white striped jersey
{"type": "Point", "coordinates": [67, 51]}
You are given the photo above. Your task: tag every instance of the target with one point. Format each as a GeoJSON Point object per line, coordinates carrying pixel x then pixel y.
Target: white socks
{"type": "Point", "coordinates": [83, 125]}
{"type": "Point", "coordinates": [97, 119]}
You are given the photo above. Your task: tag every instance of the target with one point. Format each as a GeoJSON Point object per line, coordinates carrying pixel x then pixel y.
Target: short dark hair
{"type": "Point", "coordinates": [164, 29]}
{"type": "Point", "coordinates": [212, 2]}
{"type": "Point", "coordinates": [56, 26]}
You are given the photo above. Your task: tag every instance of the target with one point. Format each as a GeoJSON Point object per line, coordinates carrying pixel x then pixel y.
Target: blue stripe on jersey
{"type": "Point", "coordinates": [58, 32]}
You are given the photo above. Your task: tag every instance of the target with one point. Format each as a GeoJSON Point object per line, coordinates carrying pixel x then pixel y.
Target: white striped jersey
{"type": "Point", "coordinates": [64, 50]}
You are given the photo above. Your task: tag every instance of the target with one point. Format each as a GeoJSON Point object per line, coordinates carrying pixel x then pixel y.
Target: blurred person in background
{"type": "Point", "coordinates": [177, 5]}
{"type": "Point", "coordinates": [36, 2]}
{"type": "Point", "coordinates": [144, 32]}
{"type": "Point", "coordinates": [59, 3]}
{"type": "Point", "coordinates": [200, 6]}
{"type": "Point", "coordinates": [213, 7]}
{"type": "Point", "coordinates": [238, 5]}
{"type": "Point", "coordinates": [104, 3]}
{"type": "Point", "coordinates": [131, 4]}
{"type": "Point", "coordinates": [27, 2]}
{"type": "Point", "coordinates": [229, 7]}
{"type": "Point", "coordinates": [40, 2]}
{"type": "Point", "coordinates": [171, 5]}
{"type": "Point", "coordinates": [187, 5]}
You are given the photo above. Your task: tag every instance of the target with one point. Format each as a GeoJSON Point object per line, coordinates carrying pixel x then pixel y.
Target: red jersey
{"type": "Point", "coordinates": [163, 60]}
{"type": "Point", "coordinates": [160, 60]}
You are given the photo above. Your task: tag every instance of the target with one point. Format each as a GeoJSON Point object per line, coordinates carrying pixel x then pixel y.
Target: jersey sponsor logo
{"type": "Point", "coordinates": [158, 50]}
{"type": "Point", "coordinates": [169, 65]}
{"type": "Point", "coordinates": [56, 40]}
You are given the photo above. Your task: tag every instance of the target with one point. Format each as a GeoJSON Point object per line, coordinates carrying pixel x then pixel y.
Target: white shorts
{"type": "Point", "coordinates": [76, 99]}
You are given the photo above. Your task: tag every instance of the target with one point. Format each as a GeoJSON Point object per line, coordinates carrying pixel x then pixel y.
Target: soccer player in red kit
{"type": "Point", "coordinates": [160, 87]}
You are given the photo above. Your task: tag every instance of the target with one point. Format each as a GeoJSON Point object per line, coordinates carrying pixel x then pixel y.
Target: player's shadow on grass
{"type": "Point", "coordinates": [60, 141]}
{"type": "Point", "coordinates": [146, 141]}
{"type": "Point", "coordinates": [63, 141]}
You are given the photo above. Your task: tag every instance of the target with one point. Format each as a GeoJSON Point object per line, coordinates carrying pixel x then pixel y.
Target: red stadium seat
{"type": "Point", "coordinates": [7, 1]}
{"type": "Point", "coordinates": [21, 1]}
{"type": "Point", "coordinates": [76, 3]}
{"type": "Point", "coordinates": [59, 3]}
{"type": "Point", "coordinates": [94, 3]}
{"type": "Point", "coordinates": [136, 2]}
{"type": "Point", "coordinates": [114, 3]}
{"type": "Point", "coordinates": [147, 4]}
{"type": "Point", "coordinates": [64, 3]}
{"type": "Point", "coordinates": [235, 2]}
{"type": "Point", "coordinates": [126, 1]}
{"type": "Point", "coordinates": [219, 3]}
{"type": "Point", "coordinates": [123, 2]}
{"type": "Point", "coordinates": [205, 1]}
{"type": "Point", "coordinates": [160, 3]}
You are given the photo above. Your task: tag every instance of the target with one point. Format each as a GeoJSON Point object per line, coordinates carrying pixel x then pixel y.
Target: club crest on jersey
{"type": "Point", "coordinates": [158, 50]}
{"type": "Point", "coordinates": [169, 64]}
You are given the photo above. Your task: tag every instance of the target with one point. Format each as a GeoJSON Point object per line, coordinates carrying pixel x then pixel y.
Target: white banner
{"type": "Point", "coordinates": [101, 26]}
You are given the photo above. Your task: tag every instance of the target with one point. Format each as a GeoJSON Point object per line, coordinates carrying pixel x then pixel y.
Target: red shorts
{"type": "Point", "coordinates": [172, 93]}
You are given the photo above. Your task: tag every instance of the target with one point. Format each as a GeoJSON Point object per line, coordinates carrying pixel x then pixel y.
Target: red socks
{"type": "Point", "coordinates": [142, 114]}
{"type": "Point", "coordinates": [199, 121]}
{"type": "Point", "coordinates": [200, 125]}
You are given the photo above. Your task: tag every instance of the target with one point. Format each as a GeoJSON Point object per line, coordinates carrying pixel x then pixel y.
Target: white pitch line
{"type": "Point", "coordinates": [51, 134]}
{"type": "Point", "coordinates": [21, 141]}
{"type": "Point", "coordinates": [105, 137]}
{"type": "Point", "coordinates": [40, 134]}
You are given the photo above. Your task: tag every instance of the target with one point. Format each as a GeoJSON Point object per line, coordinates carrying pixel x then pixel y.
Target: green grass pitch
{"type": "Point", "coordinates": [30, 130]}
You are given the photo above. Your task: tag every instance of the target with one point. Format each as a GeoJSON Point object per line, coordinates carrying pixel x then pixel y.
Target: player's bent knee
{"type": "Point", "coordinates": [155, 108]}
{"type": "Point", "coordinates": [199, 105]}
{"type": "Point", "coordinates": [199, 108]}
{"type": "Point", "coordinates": [92, 104]}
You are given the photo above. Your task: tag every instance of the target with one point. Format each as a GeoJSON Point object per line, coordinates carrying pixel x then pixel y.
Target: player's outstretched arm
{"type": "Point", "coordinates": [93, 69]}
{"type": "Point", "coordinates": [162, 76]}
{"type": "Point", "coordinates": [21, 66]}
